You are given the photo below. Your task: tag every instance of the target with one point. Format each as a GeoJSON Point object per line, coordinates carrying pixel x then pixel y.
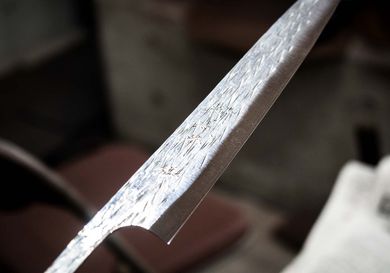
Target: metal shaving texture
{"type": "Point", "coordinates": [161, 195]}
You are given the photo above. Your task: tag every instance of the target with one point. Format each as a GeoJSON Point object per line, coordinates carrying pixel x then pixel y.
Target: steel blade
{"type": "Point", "coordinates": [163, 193]}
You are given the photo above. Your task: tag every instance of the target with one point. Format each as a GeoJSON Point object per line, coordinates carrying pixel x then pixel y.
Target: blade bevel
{"type": "Point", "coordinates": [163, 193]}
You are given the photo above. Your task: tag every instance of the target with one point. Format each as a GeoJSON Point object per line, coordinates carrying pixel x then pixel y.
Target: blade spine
{"type": "Point", "coordinates": [151, 160]}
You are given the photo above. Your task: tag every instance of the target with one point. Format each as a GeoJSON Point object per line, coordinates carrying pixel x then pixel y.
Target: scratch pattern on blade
{"type": "Point", "coordinates": [185, 155]}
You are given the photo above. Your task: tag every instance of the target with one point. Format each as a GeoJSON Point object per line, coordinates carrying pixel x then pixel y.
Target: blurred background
{"type": "Point", "coordinates": [113, 79]}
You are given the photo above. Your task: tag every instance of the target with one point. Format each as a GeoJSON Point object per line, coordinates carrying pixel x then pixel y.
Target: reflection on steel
{"type": "Point", "coordinates": [163, 193]}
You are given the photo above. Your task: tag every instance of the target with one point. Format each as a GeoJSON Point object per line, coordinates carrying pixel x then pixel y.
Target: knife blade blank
{"type": "Point", "coordinates": [164, 192]}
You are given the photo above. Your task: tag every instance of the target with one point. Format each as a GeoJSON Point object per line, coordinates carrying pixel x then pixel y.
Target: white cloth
{"type": "Point", "coordinates": [352, 234]}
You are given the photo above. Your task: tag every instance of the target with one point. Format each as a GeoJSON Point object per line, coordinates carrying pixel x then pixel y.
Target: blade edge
{"type": "Point", "coordinates": [163, 193]}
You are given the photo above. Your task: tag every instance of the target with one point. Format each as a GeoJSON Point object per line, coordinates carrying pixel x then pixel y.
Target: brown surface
{"type": "Point", "coordinates": [215, 224]}
{"type": "Point", "coordinates": [30, 239]}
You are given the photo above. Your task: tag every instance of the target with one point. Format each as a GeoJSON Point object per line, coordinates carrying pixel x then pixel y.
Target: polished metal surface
{"type": "Point", "coordinates": [163, 193]}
